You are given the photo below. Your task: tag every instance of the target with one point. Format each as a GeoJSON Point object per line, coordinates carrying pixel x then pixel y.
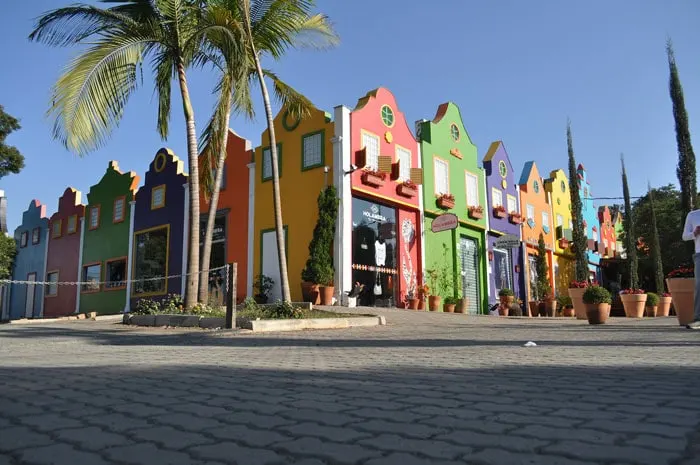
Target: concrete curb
{"type": "Point", "coordinates": [61, 319]}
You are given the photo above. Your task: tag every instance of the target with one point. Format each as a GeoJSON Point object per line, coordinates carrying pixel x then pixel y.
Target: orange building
{"type": "Point", "coordinates": [608, 238]}
{"type": "Point", "coordinates": [537, 215]}
{"type": "Point", "coordinates": [232, 241]}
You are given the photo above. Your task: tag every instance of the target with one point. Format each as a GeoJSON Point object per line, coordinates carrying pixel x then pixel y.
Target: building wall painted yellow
{"type": "Point", "coordinates": [299, 190]}
{"type": "Point", "coordinates": [557, 185]}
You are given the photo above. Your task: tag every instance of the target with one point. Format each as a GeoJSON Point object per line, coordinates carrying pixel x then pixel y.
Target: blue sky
{"type": "Point", "coordinates": [516, 68]}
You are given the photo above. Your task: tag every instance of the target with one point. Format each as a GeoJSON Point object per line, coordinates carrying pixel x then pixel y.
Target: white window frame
{"type": "Point", "coordinates": [437, 161]}
{"type": "Point", "coordinates": [402, 155]}
{"type": "Point", "coordinates": [560, 220]}
{"type": "Point", "coordinates": [545, 219]}
{"type": "Point", "coordinates": [511, 200]}
{"type": "Point", "coordinates": [94, 212]}
{"type": "Point", "coordinates": [471, 202]}
{"type": "Point", "coordinates": [496, 197]}
{"type": "Point", "coordinates": [52, 287]}
{"type": "Point", "coordinates": [530, 211]}
{"type": "Point", "coordinates": [372, 160]}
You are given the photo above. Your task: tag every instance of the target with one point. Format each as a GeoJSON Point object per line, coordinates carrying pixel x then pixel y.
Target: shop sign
{"type": "Point", "coordinates": [444, 222]}
{"type": "Point", "coordinates": [373, 214]}
{"type": "Point", "coordinates": [508, 241]}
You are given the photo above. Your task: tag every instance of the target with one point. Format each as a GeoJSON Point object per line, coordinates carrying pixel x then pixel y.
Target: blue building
{"type": "Point", "coordinates": [27, 300]}
{"type": "Point", "coordinates": [590, 223]}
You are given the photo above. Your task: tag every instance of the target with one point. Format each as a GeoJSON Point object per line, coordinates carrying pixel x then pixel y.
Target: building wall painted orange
{"type": "Point", "coordinates": [299, 190]}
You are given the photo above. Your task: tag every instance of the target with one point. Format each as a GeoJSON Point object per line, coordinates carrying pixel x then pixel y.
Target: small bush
{"type": "Point", "coordinates": [146, 307]}
{"type": "Point", "coordinates": [173, 303]}
{"type": "Point", "coordinates": [596, 295]}
{"type": "Point", "coordinates": [451, 300]}
{"type": "Point", "coordinates": [283, 311]}
{"type": "Point", "coordinates": [652, 299]}
{"type": "Point", "coordinates": [505, 293]}
{"type": "Point", "coordinates": [564, 301]}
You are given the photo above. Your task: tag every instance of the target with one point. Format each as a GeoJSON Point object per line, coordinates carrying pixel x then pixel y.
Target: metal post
{"type": "Point", "coordinates": [231, 278]}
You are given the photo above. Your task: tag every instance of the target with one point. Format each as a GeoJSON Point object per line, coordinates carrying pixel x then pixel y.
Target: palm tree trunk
{"type": "Point", "coordinates": [213, 206]}
{"type": "Point", "coordinates": [193, 160]}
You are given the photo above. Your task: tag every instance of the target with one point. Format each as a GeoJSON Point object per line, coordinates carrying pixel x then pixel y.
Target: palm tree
{"type": "Point", "coordinates": [267, 27]}
{"type": "Point", "coordinates": [89, 98]}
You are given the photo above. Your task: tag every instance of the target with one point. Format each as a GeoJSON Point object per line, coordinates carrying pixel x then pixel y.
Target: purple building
{"type": "Point", "coordinates": [160, 222]}
{"type": "Point", "coordinates": [504, 248]}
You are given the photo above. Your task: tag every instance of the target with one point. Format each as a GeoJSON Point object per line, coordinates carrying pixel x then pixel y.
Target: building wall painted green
{"type": "Point", "coordinates": [110, 239]}
{"type": "Point", "coordinates": [437, 141]}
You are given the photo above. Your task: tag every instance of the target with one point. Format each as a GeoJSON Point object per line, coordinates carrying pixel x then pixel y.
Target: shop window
{"type": "Point", "coordinates": [115, 274]}
{"type": "Point", "coordinates": [91, 277]}
{"type": "Point", "coordinates": [52, 289]}
{"type": "Point", "coordinates": [151, 261]}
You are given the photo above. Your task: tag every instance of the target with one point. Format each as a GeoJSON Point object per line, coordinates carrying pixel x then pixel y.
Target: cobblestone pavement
{"type": "Point", "coordinates": [427, 388]}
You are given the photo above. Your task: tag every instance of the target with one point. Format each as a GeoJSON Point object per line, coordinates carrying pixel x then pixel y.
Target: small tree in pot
{"type": "Point", "coordinates": [506, 298]}
{"type": "Point", "coordinates": [544, 289]}
{"type": "Point", "coordinates": [597, 300]}
{"type": "Point", "coordinates": [652, 304]}
{"type": "Point", "coordinates": [320, 262]}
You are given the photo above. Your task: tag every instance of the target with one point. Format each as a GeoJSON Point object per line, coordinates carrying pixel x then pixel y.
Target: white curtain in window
{"type": "Point", "coordinates": [496, 197]}
{"type": "Point", "coordinates": [404, 158]}
{"type": "Point", "coordinates": [512, 204]}
{"type": "Point", "coordinates": [371, 143]}
{"type": "Point", "coordinates": [441, 183]}
{"type": "Point", "coordinates": [472, 190]}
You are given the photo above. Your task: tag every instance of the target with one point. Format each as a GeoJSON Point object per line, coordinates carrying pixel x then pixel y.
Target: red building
{"type": "Point", "coordinates": [63, 256]}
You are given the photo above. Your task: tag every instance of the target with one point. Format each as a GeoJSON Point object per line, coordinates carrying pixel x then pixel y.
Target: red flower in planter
{"type": "Point", "coordinates": [499, 208]}
{"type": "Point", "coordinates": [409, 184]}
{"type": "Point", "coordinates": [579, 284]}
{"type": "Point", "coordinates": [632, 291]}
{"type": "Point", "coordinates": [446, 197]}
{"type": "Point", "coordinates": [682, 272]}
{"type": "Point", "coordinates": [666, 294]}
{"type": "Point", "coordinates": [380, 174]}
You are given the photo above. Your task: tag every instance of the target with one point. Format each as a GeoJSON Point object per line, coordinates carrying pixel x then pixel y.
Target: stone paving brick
{"type": "Point", "coordinates": [636, 428]}
{"type": "Point", "coordinates": [19, 437]}
{"type": "Point", "coordinates": [407, 459]}
{"type": "Point", "coordinates": [17, 409]}
{"type": "Point", "coordinates": [332, 419]}
{"type": "Point", "coordinates": [508, 442]}
{"type": "Point", "coordinates": [92, 438]}
{"type": "Point", "coordinates": [117, 422]}
{"type": "Point", "coordinates": [338, 453]}
{"type": "Point", "coordinates": [428, 447]}
{"type": "Point", "coordinates": [250, 436]}
{"type": "Point", "coordinates": [187, 422]}
{"type": "Point", "coordinates": [49, 422]}
{"type": "Point", "coordinates": [332, 433]}
{"type": "Point", "coordinates": [200, 410]}
{"type": "Point", "coordinates": [60, 454]}
{"type": "Point", "coordinates": [657, 442]}
{"type": "Point", "coordinates": [147, 454]}
{"type": "Point", "coordinates": [413, 430]}
{"type": "Point", "coordinates": [576, 434]}
{"type": "Point", "coordinates": [588, 451]}
{"type": "Point", "coordinates": [390, 415]}
{"type": "Point", "coordinates": [503, 457]}
{"type": "Point", "coordinates": [171, 438]}
{"type": "Point", "coordinates": [140, 410]}
{"type": "Point", "coordinates": [227, 452]}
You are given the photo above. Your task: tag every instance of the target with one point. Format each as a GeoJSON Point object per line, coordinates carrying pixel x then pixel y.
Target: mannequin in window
{"type": "Point", "coordinates": [380, 251]}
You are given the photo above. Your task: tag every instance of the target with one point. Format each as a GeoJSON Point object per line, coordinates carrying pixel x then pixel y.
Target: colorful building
{"type": "Point", "coordinates": [608, 239]}
{"type": "Point", "coordinates": [304, 151]}
{"type": "Point", "coordinates": [537, 215]}
{"type": "Point", "coordinates": [106, 243]}
{"type": "Point", "coordinates": [31, 236]}
{"type": "Point", "coordinates": [233, 225]}
{"type": "Point", "coordinates": [590, 222]}
{"type": "Point", "coordinates": [451, 167]}
{"type": "Point", "coordinates": [63, 256]}
{"type": "Point", "coordinates": [557, 187]}
{"type": "Point", "coordinates": [504, 252]}
{"type": "Point", "coordinates": [618, 227]}
{"type": "Point", "coordinates": [159, 245]}
{"type": "Point", "coordinates": [379, 231]}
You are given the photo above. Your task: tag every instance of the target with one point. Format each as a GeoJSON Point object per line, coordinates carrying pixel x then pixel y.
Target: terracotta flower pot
{"type": "Point", "coordinates": [534, 308]}
{"type": "Point", "coordinates": [506, 300]}
{"type": "Point", "coordinates": [326, 293]}
{"type": "Point", "coordinates": [421, 304]}
{"type": "Point", "coordinates": [462, 305]}
{"type": "Point", "coordinates": [413, 304]}
{"type": "Point", "coordinates": [682, 291]}
{"type": "Point", "coordinates": [651, 311]}
{"type": "Point", "coordinates": [434, 303]}
{"type": "Point", "coordinates": [448, 308]}
{"type": "Point", "coordinates": [550, 307]}
{"type": "Point", "coordinates": [309, 293]}
{"type": "Point", "coordinates": [568, 311]}
{"type": "Point", "coordinates": [576, 295]}
{"type": "Point", "coordinates": [503, 311]}
{"type": "Point", "coordinates": [634, 304]}
{"type": "Point", "coordinates": [597, 314]}
{"type": "Point", "coordinates": [664, 306]}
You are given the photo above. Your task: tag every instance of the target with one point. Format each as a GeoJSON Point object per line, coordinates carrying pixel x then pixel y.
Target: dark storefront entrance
{"type": "Point", "coordinates": [374, 252]}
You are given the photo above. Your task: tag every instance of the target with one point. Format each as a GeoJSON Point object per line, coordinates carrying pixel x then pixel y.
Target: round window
{"type": "Point", "coordinates": [563, 186]}
{"type": "Point", "coordinates": [388, 115]}
{"type": "Point", "coordinates": [502, 169]}
{"type": "Point", "coordinates": [290, 122]}
{"type": "Point", "coordinates": [454, 130]}
{"type": "Point", "coordinates": [536, 186]}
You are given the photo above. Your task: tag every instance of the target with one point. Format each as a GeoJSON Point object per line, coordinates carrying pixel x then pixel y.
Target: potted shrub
{"type": "Point", "coordinates": [652, 304]}
{"type": "Point", "coordinates": [597, 301]}
{"type": "Point", "coordinates": [681, 286]}
{"type": "Point", "coordinates": [664, 304]}
{"type": "Point", "coordinates": [412, 300]}
{"type": "Point", "coordinates": [321, 246]}
{"type": "Point", "coordinates": [499, 211]}
{"type": "Point", "coordinates": [423, 293]}
{"type": "Point", "coordinates": [450, 303]}
{"type": "Point", "coordinates": [506, 297]}
{"type": "Point", "coordinates": [544, 289]}
{"type": "Point", "coordinates": [534, 304]}
{"type": "Point", "coordinates": [462, 302]}
{"type": "Point", "coordinates": [633, 300]}
{"type": "Point", "coordinates": [576, 290]}
{"type": "Point", "coordinates": [326, 288]}
{"type": "Point", "coordinates": [446, 201]}
{"type": "Point", "coordinates": [566, 305]}
{"type": "Point", "coordinates": [433, 300]}
{"type": "Point", "coordinates": [263, 285]}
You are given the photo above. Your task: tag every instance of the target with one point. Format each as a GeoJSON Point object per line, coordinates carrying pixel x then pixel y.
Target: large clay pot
{"type": "Point", "coordinates": [326, 293]}
{"type": "Point", "coordinates": [503, 311]}
{"type": "Point", "coordinates": [651, 311]}
{"type": "Point", "coordinates": [664, 306]}
{"type": "Point", "coordinates": [682, 291]}
{"type": "Point", "coordinates": [412, 304]}
{"type": "Point", "coordinates": [634, 304]}
{"type": "Point", "coordinates": [421, 303]}
{"type": "Point", "coordinates": [448, 308]}
{"type": "Point", "coordinates": [576, 295]}
{"type": "Point", "coordinates": [550, 307]}
{"type": "Point", "coordinates": [534, 308]}
{"type": "Point", "coordinates": [434, 303]}
{"type": "Point", "coordinates": [309, 293]}
{"type": "Point", "coordinates": [462, 305]}
{"type": "Point", "coordinates": [597, 314]}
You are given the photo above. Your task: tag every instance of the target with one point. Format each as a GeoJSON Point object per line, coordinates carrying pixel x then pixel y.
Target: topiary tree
{"type": "Point", "coordinates": [656, 248]}
{"type": "Point", "coordinates": [543, 288]}
{"type": "Point", "coordinates": [319, 267]}
{"type": "Point", "coordinates": [630, 236]}
{"type": "Point", "coordinates": [578, 233]}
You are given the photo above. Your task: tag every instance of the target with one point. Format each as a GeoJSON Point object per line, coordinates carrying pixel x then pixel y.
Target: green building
{"type": "Point", "coordinates": [107, 230]}
{"type": "Point", "coordinates": [453, 181]}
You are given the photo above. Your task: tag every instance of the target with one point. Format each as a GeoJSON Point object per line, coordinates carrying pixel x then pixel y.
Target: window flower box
{"type": "Point", "coordinates": [564, 243]}
{"type": "Point", "coordinates": [373, 178]}
{"type": "Point", "coordinates": [500, 212]}
{"type": "Point", "coordinates": [476, 212]}
{"type": "Point", "coordinates": [407, 189]}
{"type": "Point", "coordinates": [516, 218]}
{"type": "Point", "coordinates": [446, 201]}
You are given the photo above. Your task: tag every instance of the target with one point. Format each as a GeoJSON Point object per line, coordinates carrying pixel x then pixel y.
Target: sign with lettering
{"type": "Point", "coordinates": [508, 241]}
{"type": "Point", "coordinates": [444, 222]}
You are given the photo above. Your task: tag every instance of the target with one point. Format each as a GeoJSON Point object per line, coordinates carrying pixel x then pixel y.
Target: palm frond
{"type": "Point", "coordinates": [164, 74]}
{"type": "Point", "coordinates": [89, 98]}
{"type": "Point", "coordinates": [297, 104]}
{"type": "Point", "coordinates": [316, 32]}
{"type": "Point", "coordinates": [212, 140]}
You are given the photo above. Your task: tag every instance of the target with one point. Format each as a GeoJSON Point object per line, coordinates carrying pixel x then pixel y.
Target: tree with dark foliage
{"type": "Point", "coordinates": [579, 236]}
{"type": "Point", "coordinates": [11, 161]}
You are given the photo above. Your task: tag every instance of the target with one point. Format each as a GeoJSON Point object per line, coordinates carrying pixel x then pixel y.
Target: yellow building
{"type": "Point", "coordinates": [557, 187]}
{"type": "Point", "coordinates": [305, 154]}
